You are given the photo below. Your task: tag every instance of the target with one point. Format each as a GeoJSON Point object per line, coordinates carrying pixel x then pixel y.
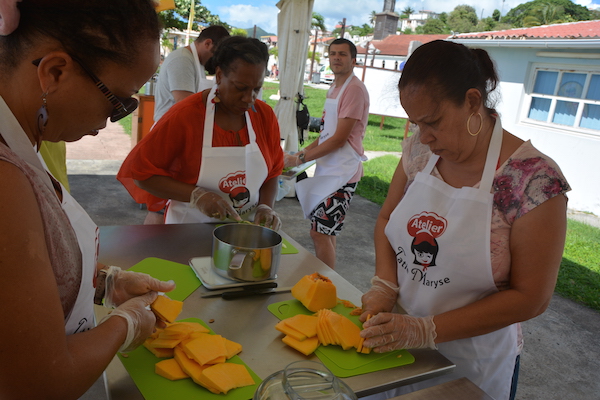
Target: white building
{"type": "Point", "coordinates": [415, 20]}
{"type": "Point", "coordinates": [550, 88]}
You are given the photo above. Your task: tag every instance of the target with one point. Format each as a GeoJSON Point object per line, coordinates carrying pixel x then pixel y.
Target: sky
{"type": "Point", "coordinates": [263, 13]}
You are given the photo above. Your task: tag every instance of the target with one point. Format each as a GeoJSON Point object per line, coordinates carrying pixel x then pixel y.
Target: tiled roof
{"type": "Point", "coordinates": [570, 30]}
{"type": "Point", "coordinates": [397, 45]}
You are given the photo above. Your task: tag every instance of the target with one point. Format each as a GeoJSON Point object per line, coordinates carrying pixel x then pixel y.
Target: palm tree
{"type": "Point", "coordinates": [407, 11]}
{"type": "Point", "coordinates": [373, 17]}
{"type": "Point", "coordinates": [318, 22]}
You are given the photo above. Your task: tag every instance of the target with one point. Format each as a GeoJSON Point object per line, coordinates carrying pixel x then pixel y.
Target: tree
{"type": "Point", "coordinates": [496, 15]}
{"type": "Point", "coordinates": [373, 18]}
{"type": "Point", "coordinates": [407, 31]}
{"type": "Point", "coordinates": [407, 12]}
{"type": "Point", "coordinates": [541, 11]}
{"type": "Point", "coordinates": [317, 23]}
{"type": "Point", "coordinates": [238, 32]}
{"type": "Point", "coordinates": [434, 26]}
{"type": "Point", "coordinates": [364, 30]}
{"type": "Point", "coordinates": [178, 18]}
{"type": "Point", "coordinates": [462, 19]}
{"type": "Point", "coordinates": [443, 17]}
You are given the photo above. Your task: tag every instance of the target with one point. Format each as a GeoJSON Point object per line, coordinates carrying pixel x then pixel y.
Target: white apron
{"type": "Point", "coordinates": [203, 82]}
{"type": "Point", "coordinates": [441, 237]}
{"type": "Point", "coordinates": [235, 173]}
{"type": "Point", "coordinates": [335, 169]}
{"type": "Point", "coordinates": [81, 317]}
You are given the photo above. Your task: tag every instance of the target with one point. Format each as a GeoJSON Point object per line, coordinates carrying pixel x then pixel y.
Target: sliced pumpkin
{"type": "Point", "coordinates": [157, 351]}
{"type": "Point", "coordinates": [306, 347]}
{"type": "Point", "coordinates": [170, 369]}
{"type": "Point", "coordinates": [227, 376]}
{"type": "Point", "coordinates": [166, 309]}
{"type": "Point", "coordinates": [289, 331]}
{"type": "Point", "coordinates": [305, 324]}
{"type": "Point", "coordinates": [206, 348]}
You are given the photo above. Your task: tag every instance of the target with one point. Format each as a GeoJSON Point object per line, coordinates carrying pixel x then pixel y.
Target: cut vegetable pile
{"type": "Point", "coordinates": [306, 333]}
{"type": "Point", "coordinates": [192, 352]}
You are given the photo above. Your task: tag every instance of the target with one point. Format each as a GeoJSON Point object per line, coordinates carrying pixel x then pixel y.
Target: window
{"type": "Point", "coordinates": [565, 98]}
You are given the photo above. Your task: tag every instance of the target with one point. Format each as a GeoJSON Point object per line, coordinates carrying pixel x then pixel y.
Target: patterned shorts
{"type": "Point", "coordinates": [328, 217]}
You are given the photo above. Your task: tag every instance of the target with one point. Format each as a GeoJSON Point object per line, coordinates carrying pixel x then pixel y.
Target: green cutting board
{"type": "Point", "coordinates": [140, 365]}
{"type": "Point", "coordinates": [344, 363]}
{"type": "Point", "coordinates": [185, 279]}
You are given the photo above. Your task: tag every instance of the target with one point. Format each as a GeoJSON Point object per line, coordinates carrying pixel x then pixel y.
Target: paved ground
{"type": "Point", "coordinates": [561, 358]}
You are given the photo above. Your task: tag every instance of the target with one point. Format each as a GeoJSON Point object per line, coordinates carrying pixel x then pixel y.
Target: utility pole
{"type": "Point", "coordinates": [190, 23]}
{"type": "Point", "coordinates": [343, 28]}
{"type": "Point", "coordinates": [312, 60]}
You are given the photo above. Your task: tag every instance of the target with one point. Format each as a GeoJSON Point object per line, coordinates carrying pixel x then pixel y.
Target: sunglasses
{"type": "Point", "coordinates": [123, 106]}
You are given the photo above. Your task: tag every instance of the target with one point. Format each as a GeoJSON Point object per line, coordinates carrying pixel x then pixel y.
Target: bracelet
{"type": "Point", "coordinates": [100, 287]}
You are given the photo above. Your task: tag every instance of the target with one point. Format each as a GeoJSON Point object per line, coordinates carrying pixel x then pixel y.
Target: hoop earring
{"type": "Point", "coordinates": [469, 124]}
{"type": "Point", "coordinates": [42, 119]}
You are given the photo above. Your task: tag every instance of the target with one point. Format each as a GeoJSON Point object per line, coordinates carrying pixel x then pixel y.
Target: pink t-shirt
{"type": "Point", "coordinates": [354, 104]}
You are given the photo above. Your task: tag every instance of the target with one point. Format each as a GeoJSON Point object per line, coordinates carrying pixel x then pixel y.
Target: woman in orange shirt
{"type": "Point", "coordinates": [217, 154]}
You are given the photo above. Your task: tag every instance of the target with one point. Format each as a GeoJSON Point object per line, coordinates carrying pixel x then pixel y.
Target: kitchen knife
{"type": "Point", "coordinates": [247, 288]}
{"type": "Point", "coordinates": [245, 293]}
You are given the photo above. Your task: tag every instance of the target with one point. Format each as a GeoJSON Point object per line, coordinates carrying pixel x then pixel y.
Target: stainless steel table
{"type": "Point", "coordinates": [459, 389]}
{"type": "Point", "coordinates": [247, 320]}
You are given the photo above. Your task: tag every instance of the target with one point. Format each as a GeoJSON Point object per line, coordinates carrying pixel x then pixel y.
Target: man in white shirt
{"type": "Point", "coordinates": [183, 72]}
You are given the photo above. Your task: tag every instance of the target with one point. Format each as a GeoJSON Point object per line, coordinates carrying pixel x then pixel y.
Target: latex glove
{"type": "Point", "coordinates": [266, 216]}
{"type": "Point", "coordinates": [123, 285]}
{"type": "Point", "coordinates": [290, 160]}
{"type": "Point", "coordinates": [140, 320]}
{"type": "Point", "coordinates": [9, 16]}
{"type": "Point", "coordinates": [386, 332]}
{"type": "Point", "coordinates": [213, 205]}
{"type": "Point", "coordinates": [380, 298]}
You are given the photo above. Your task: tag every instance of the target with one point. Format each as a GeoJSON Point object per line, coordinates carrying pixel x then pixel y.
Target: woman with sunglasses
{"type": "Point", "coordinates": [216, 154]}
{"type": "Point", "coordinates": [66, 68]}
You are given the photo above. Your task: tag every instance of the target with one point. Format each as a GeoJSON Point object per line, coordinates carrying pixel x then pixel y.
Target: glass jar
{"type": "Point", "coordinates": [304, 380]}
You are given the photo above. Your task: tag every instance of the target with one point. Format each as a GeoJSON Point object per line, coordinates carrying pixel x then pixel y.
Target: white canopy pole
{"type": "Point", "coordinates": [293, 34]}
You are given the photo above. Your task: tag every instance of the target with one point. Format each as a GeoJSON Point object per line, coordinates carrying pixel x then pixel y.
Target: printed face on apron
{"type": "Point", "coordinates": [441, 237]}
{"type": "Point", "coordinates": [235, 173]}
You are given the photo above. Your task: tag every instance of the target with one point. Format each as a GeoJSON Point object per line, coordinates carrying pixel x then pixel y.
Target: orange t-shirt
{"type": "Point", "coordinates": [174, 147]}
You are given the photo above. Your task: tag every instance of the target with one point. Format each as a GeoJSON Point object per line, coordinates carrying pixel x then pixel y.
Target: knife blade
{"type": "Point", "coordinates": [245, 293]}
{"type": "Point", "coordinates": [247, 288]}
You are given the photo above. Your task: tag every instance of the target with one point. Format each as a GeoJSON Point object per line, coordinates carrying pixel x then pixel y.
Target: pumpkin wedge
{"type": "Point", "coordinates": [315, 292]}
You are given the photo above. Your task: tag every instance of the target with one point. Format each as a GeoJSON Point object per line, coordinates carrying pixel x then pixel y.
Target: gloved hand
{"type": "Point", "coordinates": [386, 332]}
{"type": "Point", "coordinates": [266, 216]}
{"type": "Point", "coordinates": [290, 160]}
{"type": "Point", "coordinates": [213, 205]}
{"type": "Point", "coordinates": [380, 298]}
{"type": "Point", "coordinates": [123, 285]}
{"type": "Point", "coordinates": [140, 320]}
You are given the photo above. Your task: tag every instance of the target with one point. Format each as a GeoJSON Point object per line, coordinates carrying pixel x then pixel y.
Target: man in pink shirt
{"type": "Point", "coordinates": [339, 152]}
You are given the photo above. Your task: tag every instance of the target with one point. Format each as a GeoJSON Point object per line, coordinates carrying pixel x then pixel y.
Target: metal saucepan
{"type": "Point", "coordinates": [245, 252]}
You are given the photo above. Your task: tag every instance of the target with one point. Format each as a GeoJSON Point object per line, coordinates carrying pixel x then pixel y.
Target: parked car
{"type": "Point", "coordinates": [326, 74]}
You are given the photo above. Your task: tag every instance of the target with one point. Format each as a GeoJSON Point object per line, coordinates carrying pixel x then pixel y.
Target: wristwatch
{"type": "Point", "coordinates": [301, 156]}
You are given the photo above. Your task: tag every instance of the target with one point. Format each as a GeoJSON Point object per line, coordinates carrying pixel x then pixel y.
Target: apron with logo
{"type": "Point", "coordinates": [235, 173]}
{"type": "Point", "coordinates": [203, 82]}
{"type": "Point", "coordinates": [81, 317]}
{"type": "Point", "coordinates": [441, 237]}
{"type": "Point", "coordinates": [335, 169]}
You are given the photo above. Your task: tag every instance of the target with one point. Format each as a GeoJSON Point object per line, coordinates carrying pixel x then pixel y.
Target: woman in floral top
{"type": "Point", "coordinates": [470, 238]}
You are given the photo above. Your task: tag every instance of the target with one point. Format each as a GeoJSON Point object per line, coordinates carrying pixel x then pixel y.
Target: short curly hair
{"type": "Point", "coordinates": [233, 48]}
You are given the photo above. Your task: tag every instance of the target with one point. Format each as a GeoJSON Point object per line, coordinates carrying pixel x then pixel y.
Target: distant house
{"type": "Point", "coordinates": [415, 20]}
{"type": "Point", "coordinates": [550, 88]}
{"type": "Point", "coordinates": [391, 51]}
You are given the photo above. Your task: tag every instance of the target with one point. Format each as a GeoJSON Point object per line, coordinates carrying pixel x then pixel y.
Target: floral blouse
{"type": "Point", "coordinates": [525, 180]}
